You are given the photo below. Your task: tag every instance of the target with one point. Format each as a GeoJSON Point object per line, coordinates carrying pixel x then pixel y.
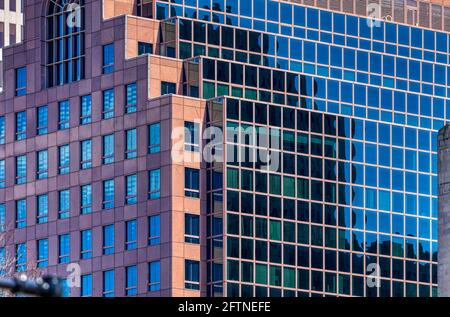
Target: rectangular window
{"type": "Point", "coordinates": [154, 230]}
{"type": "Point", "coordinates": [21, 213]}
{"type": "Point", "coordinates": [64, 159]}
{"type": "Point", "coordinates": [21, 257]}
{"type": "Point", "coordinates": [2, 174]}
{"type": "Point", "coordinates": [145, 48]}
{"type": "Point", "coordinates": [108, 283]}
{"type": "Point", "coordinates": [42, 120]}
{"type": "Point", "coordinates": [86, 199]}
{"type": "Point", "coordinates": [64, 115]}
{"type": "Point", "coordinates": [64, 248]}
{"type": "Point", "coordinates": [131, 286]}
{"type": "Point", "coordinates": [154, 276]}
{"type": "Point", "coordinates": [21, 169]}
{"type": "Point", "coordinates": [192, 182]}
{"type": "Point", "coordinates": [192, 228]}
{"type": "Point", "coordinates": [12, 36]}
{"type": "Point", "coordinates": [131, 144]}
{"type": "Point", "coordinates": [192, 274]}
{"type": "Point", "coordinates": [42, 253]}
{"type": "Point", "coordinates": [108, 104]}
{"type": "Point", "coordinates": [154, 138]}
{"type": "Point", "coordinates": [108, 194]}
{"type": "Point", "coordinates": [108, 239]}
{"type": "Point", "coordinates": [131, 93]}
{"type": "Point", "coordinates": [86, 154]}
{"type": "Point", "coordinates": [131, 232]}
{"type": "Point", "coordinates": [145, 8]}
{"type": "Point", "coordinates": [21, 80]}
{"type": "Point", "coordinates": [42, 208]}
{"type": "Point", "coordinates": [108, 58]}
{"type": "Point", "coordinates": [2, 130]}
{"type": "Point", "coordinates": [86, 244]}
{"type": "Point", "coordinates": [42, 164]}
{"type": "Point", "coordinates": [2, 218]}
{"type": "Point", "coordinates": [131, 189]}
{"type": "Point", "coordinates": [168, 88]}
{"type": "Point", "coordinates": [64, 204]}
{"type": "Point", "coordinates": [21, 125]}
{"type": "Point", "coordinates": [86, 110]}
{"type": "Point", "coordinates": [191, 136]}
{"type": "Point", "coordinates": [154, 184]}
{"type": "Point", "coordinates": [108, 149]}
{"type": "Point", "coordinates": [86, 285]}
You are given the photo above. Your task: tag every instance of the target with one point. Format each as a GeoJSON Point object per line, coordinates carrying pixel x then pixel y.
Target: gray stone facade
{"type": "Point", "coordinates": [444, 212]}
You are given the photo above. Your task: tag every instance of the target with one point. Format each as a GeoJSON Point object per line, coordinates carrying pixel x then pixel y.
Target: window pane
{"type": "Point", "coordinates": [108, 239]}
{"type": "Point", "coordinates": [154, 138]}
{"type": "Point", "coordinates": [42, 120]}
{"type": "Point", "coordinates": [131, 96]}
{"type": "Point", "coordinates": [154, 223]}
{"type": "Point", "coordinates": [191, 136]}
{"type": "Point", "coordinates": [86, 109]}
{"type": "Point", "coordinates": [21, 81]}
{"type": "Point", "coordinates": [131, 144]}
{"type": "Point", "coordinates": [154, 276]}
{"type": "Point", "coordinates": [192, 183]}
{"type": "Point", "coordinates": [21, 125]}
{"type": "Point", "coordinates": [108, 149]}
{"type": "Point", "coordinates": [64, 115]}
{"type": "Point", "coordinates": [108, 58]}
{"type": "Point", "coordinates": [154, 184]}
{"type": "Point", "coordinates": [131, 190]}
{"type": "Point", "coordinates": [108, 104]}
{"type": "Point", "coordinates": [192, 229]}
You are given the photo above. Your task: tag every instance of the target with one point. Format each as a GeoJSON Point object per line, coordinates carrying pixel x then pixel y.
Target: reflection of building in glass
{"type": "Point", "coordinates": [444, 261]}
{"type": "Point", "coordinates": [344, 114]}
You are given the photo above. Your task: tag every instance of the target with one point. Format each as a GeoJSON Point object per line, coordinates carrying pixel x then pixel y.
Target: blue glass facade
{"type": "Point", "coordinates": [356, 105]}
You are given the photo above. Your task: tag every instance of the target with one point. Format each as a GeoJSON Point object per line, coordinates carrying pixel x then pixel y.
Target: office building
{"type": "Point", "coordinates": [324, 180]}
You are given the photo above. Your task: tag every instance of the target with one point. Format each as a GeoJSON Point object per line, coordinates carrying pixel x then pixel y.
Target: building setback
{"type": "Point", "coordinates": [104, 133]}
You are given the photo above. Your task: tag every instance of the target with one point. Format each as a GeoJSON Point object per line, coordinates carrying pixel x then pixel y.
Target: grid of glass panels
{"type": "Point", "coordinates": [64, 43]}
{"type": "Point", "coordinates": [221, 77]}
{"type": "Point", "coordinates": [312, 57]}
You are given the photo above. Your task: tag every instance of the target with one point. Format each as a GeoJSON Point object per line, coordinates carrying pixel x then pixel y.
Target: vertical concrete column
{"type": "Point", "coordinates": [444, 212]}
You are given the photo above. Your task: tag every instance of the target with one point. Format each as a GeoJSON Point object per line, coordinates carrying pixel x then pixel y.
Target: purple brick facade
{"type": "Point", "coordinates": [146, 71]}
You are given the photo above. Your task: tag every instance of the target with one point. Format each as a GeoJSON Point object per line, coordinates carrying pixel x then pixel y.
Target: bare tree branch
{"type": "Point", "coordinates": [8, 262]}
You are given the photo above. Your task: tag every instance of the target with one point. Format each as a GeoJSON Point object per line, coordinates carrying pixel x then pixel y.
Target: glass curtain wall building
{"type": "Point", "coordinates": [355, 105]}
